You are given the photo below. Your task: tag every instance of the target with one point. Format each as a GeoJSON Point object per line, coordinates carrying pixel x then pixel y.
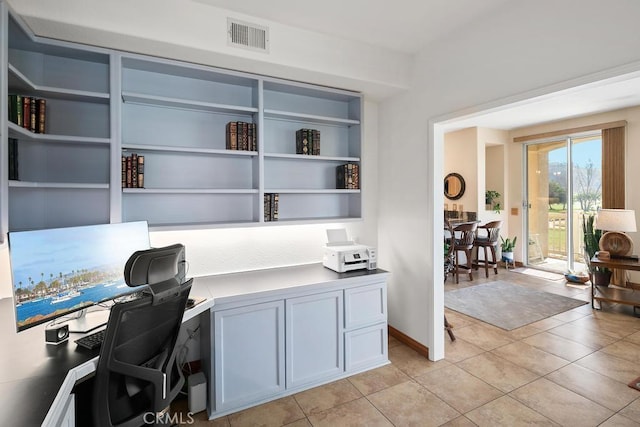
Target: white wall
{"type": "Point", "coordinates": [196, 32]}
{"type": "Point", "coordinates": [525, 48]}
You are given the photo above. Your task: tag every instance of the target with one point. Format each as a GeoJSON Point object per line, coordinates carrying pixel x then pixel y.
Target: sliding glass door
{"type": "Point", "coordinates": [563, 182]}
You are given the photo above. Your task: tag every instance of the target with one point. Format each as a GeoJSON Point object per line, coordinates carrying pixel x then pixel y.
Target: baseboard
{"type": "Point", "coordinates": [408, 341]}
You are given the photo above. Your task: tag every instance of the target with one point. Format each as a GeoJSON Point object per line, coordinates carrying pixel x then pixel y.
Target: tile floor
{"type": "Point", "coordinates": [570, 370]}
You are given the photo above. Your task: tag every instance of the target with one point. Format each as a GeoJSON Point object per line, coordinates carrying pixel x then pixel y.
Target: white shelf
{"type": "Point", "coordinates": [183, 104]}
{"type": "Point", "coordinates": [310, 118]}
{"type": "Point", "coordinates": [174, 149]}
{"type": "Point", "coordinates": [311, 158]}
{"type": "Point", "coordinates": [188, 191]}
{"type": "Point", "coordinates": [80, 186]}
{"type": "Point", "coordinates": [18, 82]}
{"type": "Point", "coordinates": [16, 131]}
{"type": "Point", "coordinates": [311, 191]}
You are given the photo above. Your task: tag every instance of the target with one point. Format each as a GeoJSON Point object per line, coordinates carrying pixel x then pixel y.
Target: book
{"type": "Point", "coordinates": [348, 176]}
{"type": "Point", "coordinates": [13, 159]}
{"type": "Point", "coordinates": [315, 142]}
{"type": "Point", "coordinates": [33, 114]}
{"type": "Point", "coordinates": [41, 116]}
{"type": "Point", "coordinates": [232, 136]}
{"type": "Point", "coordinates": [308, 142]}
{"type": "Point", "coordinates": [26, 112]}
{"type": "Point", "coordinates": [140, 171]}
{"type": "Point", "coordinates": [124, 171]}
{"type": "Point", "coordinates": [134, 170]}
{"type": "Point", "coordinates": [129, 170]}
{"type": "Point", "coordinates": [271, 206]}
{"type": "Point", "coordinates": [19, 111]}
{"type": "Point", "coordinates": [254, 142]}
{"type": "Point", "coordinates": [245, 135]}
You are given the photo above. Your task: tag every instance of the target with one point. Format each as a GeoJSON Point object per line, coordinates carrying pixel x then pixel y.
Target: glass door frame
{"type": "Point", "coordinates": [569, 138]}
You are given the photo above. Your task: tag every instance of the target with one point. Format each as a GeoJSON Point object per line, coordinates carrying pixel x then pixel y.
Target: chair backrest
{"type": "Point", "coordinates": [493, 231]}
{"type": "Point", "coordinates": [137, 372]}
{"type": "Point", "coordinates": [449, 255]}
{"type": "Point", "coordinates": [466, 236]}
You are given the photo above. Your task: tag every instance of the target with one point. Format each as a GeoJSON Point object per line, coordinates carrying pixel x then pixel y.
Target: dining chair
{"type": "Point", "coordinates": [465, 235]}
{"type": "Point", "coordinates": [488, 241]}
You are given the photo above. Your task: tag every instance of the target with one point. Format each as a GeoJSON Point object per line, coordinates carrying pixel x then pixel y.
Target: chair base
{"type": "Point", "coordinates": [486, 263]}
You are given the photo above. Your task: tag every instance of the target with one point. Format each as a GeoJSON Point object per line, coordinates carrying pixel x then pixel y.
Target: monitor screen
{"type": "Point", "coordinates": [62, 270]}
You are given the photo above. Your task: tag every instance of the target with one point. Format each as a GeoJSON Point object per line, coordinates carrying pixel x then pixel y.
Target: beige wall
{"type": "Point", "coordinates": [460, 156]}
{"type": "Point", "coordinates": [478, 154]}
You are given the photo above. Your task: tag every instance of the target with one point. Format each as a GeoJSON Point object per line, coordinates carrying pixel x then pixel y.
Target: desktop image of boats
{"type": "Point", "coordinates": [59, 271]}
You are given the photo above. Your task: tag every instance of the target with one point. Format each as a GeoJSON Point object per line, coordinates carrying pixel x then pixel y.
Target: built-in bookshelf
{"type": "Point", "coordinates": [103, 106]}
{"type": "Point", "coordinates": [64, 167]}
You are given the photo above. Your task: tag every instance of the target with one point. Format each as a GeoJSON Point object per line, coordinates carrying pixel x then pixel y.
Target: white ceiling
{"type": "Point", "coordinates": [605, 95]}
{"type": "Point", "coordinates": [410, 25]}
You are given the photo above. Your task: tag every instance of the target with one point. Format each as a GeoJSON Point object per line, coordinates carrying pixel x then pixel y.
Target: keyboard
{"type": "Point", "coordinates": [92, 341]}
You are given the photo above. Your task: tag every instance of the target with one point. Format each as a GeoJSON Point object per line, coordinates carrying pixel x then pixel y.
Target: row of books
{"type": "Point", "coordinates": [348, 176]}
{"type": "Point", "coordinates": [271, 206]}
{"type": "Point", "coordinates": [13, 159]}
{"type": "Point", "coordinates": [28, 112]}
{"type": "Point", "coordinates": [133, 171]}
{"type": "Point", "coordinates": [242, 136]}
{"type": "Point", "coordinates": [308, 142]}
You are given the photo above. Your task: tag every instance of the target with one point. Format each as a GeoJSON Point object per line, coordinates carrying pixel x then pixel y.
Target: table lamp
{"type": "Point", "coordinates": [615, 222]}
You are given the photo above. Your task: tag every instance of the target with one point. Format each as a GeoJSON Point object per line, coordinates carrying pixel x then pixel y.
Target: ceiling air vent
{"type": "Point", "coordinates": [250, 36]}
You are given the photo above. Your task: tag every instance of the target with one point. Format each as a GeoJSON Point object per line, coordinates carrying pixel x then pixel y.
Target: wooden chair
{"type": "Point", "coordinates": [488, 242]}
{"type": "Point", "coordinates": [449, 266]}
{"type": "Point", "coordinates": [465, 235]}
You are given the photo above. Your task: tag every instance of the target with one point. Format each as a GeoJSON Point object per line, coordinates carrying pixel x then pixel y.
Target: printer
{"type": "Point", "coordinates": [342, 255]}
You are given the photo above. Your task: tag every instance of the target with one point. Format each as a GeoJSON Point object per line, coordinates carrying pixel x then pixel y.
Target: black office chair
{"type": "Point", "coordinates": [138, 375]}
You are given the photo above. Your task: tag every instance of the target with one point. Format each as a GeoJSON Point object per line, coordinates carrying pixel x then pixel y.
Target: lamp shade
{"type": "Point", "coordinates": [616, 220]}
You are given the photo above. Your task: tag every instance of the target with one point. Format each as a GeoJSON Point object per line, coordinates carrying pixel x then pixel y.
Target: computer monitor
{"type": "Point", "coordinates": [63, 270]}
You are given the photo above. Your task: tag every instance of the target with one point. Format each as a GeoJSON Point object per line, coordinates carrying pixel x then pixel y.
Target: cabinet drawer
{"type": "Point", "coordinates": [365, 347]}
{"type": "Point", "coordinates": [365, 305]}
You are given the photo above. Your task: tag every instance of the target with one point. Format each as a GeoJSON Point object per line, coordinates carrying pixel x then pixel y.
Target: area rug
{"type": "Point", "coordinates": [539, 273]}
{"type": "Point", "coordinates": [506, 305]}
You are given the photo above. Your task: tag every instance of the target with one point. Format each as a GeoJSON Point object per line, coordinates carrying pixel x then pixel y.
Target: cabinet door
{"type": "Point", "coordinates": [314, 338]}
{"type": "Point", "coordinates": [365, 305]}
{"type": "Point", "coordinates": [365, 347]}
{"type": "Point", "coordinates": [249, 354]}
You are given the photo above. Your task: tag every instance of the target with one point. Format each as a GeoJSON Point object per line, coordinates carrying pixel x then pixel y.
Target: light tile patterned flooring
{"type": "Point", "coordinates": [570, 370]}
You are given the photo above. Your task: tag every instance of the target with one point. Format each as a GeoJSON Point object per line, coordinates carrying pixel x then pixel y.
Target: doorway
{"type": "Point", "coordinates": [563, 182]}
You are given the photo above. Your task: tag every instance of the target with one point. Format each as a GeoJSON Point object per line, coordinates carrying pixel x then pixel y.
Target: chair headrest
{"type": "Point", "coordinates": [152, 266]}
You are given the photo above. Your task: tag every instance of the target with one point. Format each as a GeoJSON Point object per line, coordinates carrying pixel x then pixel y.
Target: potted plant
{"type": "Point", "coordinates": [490, 198]}
{"type": "Point", "coordinates": [507, 247]}
{"type": "Point", "coordinates": [599, 276]}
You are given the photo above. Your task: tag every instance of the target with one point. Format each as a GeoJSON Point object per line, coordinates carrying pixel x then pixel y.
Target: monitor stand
{"type": "Point", "coordinates": [88, 321]}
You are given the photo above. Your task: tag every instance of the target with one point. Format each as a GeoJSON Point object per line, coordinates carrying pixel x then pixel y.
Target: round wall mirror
{"type": "Point", "coordinates": [454, 186]}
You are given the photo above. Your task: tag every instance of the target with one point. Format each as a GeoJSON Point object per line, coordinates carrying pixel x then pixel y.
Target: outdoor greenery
{"type": "Point", "coordinates": [491, 197]}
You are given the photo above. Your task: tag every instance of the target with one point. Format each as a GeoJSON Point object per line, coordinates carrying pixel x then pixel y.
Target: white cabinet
{"type": "Point", "coordinates": [365, 326]}
{"type": "Point", "coordinates": [264, 349]}
{"type": "Point", "coordinates": [314, 345]}
{"type": "Point", "coordinates": [248, 348]}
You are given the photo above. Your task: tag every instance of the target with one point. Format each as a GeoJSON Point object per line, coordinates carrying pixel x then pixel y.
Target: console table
{"type": "Point", "coordinates": [630, 296]}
